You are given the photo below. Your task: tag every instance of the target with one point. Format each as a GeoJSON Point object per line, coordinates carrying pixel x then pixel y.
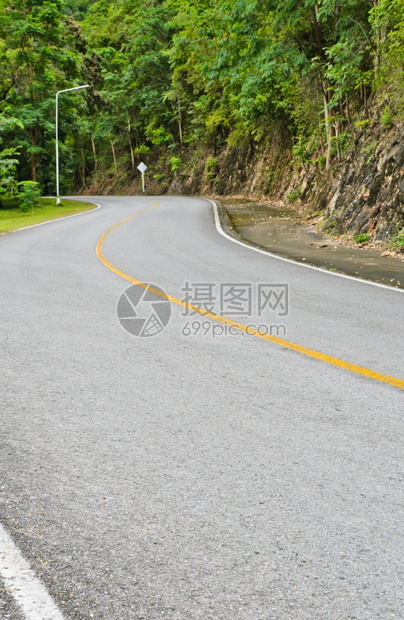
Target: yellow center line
{"type": "Point", "coordinates": [334, 361]}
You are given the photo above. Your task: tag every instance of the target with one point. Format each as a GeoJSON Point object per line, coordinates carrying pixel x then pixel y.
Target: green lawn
{"type": "Point", "coordinates": [11, 218]}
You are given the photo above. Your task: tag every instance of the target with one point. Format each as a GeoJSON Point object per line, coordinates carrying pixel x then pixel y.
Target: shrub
{"type": "Point", "coordinates": [364, 238]}
{"type": "Point", "coordinates": [302, 151]}
{"type": "Point", "coordinates": [387, 116]}
{"type": "Point", "coordinates": [176, 163]}
{"type": "Point", "coordinates": [141, 150]}
{"type": "Point", "coordinates": [294, 194]}
{"type": "Point", "coordinates": [362, 124]}
{"type": "Point", "coordinates": [211, 163]}
{"type": "Point", "coordinates": [28, 195]}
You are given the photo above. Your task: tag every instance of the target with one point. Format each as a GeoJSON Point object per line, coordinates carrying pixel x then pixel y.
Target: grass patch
{"type": "Point", "coordinates": [364, 238]}
{"type": "Point", "coordinates": [11, 218]}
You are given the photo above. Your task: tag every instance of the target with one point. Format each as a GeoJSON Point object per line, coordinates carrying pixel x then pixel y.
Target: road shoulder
{"type": "Point", "coordinates": [275, 232]}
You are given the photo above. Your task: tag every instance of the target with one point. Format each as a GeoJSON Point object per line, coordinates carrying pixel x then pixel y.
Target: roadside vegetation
{"type": "Point", "coordinates": [177, 81]}
{"type": "Point", "coordinates": [45, 209]}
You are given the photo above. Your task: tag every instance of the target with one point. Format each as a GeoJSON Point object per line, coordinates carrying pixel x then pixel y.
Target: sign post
{"type": "Point", "coordinates": [142, 168]}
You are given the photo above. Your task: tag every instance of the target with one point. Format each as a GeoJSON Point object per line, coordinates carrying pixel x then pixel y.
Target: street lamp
{"type": "Point", "coordinates": [57, 135]}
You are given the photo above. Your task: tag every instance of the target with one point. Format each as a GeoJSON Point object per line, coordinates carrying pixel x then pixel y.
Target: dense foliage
{"type": "Point", "coordinates": [180, 78]}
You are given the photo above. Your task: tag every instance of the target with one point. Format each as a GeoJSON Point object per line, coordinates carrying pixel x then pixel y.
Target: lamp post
{"type": "Point", "coordinates": [57, 134]}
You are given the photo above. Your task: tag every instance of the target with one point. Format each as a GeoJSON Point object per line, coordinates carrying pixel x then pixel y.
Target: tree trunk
{"type": "Point", "coordinates": [113, 153]}
{"type": "Point", "coordinates": [329, 127]}
{"type": "Point", "coordinates": [95, 156]}
{"type": "Point", "coordinates": [180, 122]}
{"type": "Point", "coordinates": [336, 128]}
{"type": "Point", "coordinates": [322, 147]}
{"type": "Point", "coordinates": [381, 36]}
{"type": "Point", "coordinates": [32, 157]}
{"type": "Point", "coordinates": [318, 34]}
{"type": "Point", "coordinates": [83, 168]}
{"type": "Point", "coordinates": [132, 156]}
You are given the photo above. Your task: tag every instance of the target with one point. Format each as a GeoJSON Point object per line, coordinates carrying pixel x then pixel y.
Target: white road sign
{"type": "Point", "coordinates": [142, 168]}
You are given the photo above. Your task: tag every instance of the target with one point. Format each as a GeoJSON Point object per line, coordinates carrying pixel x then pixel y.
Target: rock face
{"type": "Point", "coordinates": [364, 194]}
{"type": "Point", "coordinates": [245, 169]}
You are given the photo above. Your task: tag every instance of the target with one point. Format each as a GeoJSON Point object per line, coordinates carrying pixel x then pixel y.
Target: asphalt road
{"type": "Point", "coordinates": [190, 474]}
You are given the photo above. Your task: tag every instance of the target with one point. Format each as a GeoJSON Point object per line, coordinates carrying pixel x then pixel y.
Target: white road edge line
{"type": "Point", "coordinates": [57, 219]}
{"type": "Point", "coordinates": [294, 262]}
{"type": "Point", "coordinates": [26, 589]}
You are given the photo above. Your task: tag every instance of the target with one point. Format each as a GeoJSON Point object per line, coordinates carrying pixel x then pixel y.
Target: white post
{"type": "Point", "coordinates": [57, 134]}
{"type": "Point", "coordinates": [57, 149]}
{"type": "Point", "coordinates": [142, 168]}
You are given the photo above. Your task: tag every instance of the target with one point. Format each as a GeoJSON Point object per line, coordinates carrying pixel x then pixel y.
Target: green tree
{"type": "Point", "coordinates": [131, 39]}
{"type": "Point", "coordinates": [39, 45]}
{"type": "Point", "coordinates": [8, 156]}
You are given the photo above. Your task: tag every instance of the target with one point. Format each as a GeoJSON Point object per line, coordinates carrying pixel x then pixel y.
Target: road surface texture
{"type": "Point", "coordinates": [190, 474]}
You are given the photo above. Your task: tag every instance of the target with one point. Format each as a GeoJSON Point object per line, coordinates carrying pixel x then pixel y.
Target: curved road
{"type": "Point", "coordinates": [202, 472]}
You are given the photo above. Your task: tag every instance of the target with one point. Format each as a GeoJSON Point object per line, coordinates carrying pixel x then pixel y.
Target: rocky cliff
{"type": "Point", "coordinates": [362, 194]}
{"type": "Point", "coordinates": [365, 193]}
